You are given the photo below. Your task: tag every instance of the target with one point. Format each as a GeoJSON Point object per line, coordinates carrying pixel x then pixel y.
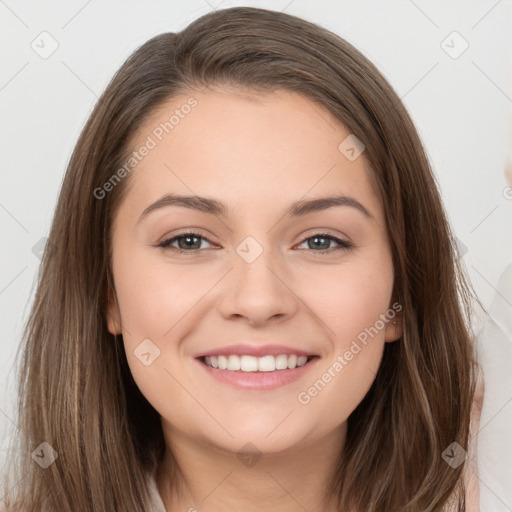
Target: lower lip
{"type": "Point", "coordinates": [258, 380]}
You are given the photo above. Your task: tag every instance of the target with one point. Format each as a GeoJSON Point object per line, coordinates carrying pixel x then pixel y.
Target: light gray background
{"type": "Point", "coordinates": [462, 108]}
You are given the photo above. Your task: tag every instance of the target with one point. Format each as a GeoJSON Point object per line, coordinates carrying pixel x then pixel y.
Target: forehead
{"type": "Point", "coordinates": [247, 148]}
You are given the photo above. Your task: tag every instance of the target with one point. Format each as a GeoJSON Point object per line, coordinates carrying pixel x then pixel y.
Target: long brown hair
{"type": "Point", "coordinates": [76, 392]}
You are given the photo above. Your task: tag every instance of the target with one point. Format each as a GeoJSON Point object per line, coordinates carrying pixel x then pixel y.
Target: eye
{"type": "Point", "coordinates": [191, 242]}
{"type": "Point", "coordinates": [322, 241]}
{"type": "Point", "coordinates": [187, 242]}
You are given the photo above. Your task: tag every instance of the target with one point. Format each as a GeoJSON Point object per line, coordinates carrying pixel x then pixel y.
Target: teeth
{"type": "Point", "coordinates": [255, 364]}
{"type": "Point", "coordinates": [282, 362]}
{"type": "Point", "coordinates": [233, 363]}
{"type": "Point", "coordinates": [248, 364]}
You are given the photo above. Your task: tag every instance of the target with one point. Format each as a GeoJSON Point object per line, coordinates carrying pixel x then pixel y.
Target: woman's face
{"type": "Point", "coordinates": [252, 275]}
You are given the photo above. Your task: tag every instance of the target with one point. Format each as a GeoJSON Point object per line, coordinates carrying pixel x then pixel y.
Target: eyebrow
{"type": "Point", "coordinates": [214, 207]}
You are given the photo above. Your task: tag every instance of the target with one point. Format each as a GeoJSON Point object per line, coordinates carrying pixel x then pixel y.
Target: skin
{"type": "Point", "coordinates": [257, 154]}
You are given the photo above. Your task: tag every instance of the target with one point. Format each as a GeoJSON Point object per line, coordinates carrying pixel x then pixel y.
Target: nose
{"type": "Point", "coordinates": [259, 292]}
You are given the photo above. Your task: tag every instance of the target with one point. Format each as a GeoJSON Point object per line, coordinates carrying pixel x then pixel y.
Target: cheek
{"type": "Point", "coordinates": [153, 297]}
{"type": "Point", "coordinates": [157, 303]}
{"type": "Point", "coordinates": [340, 384]}
{"type": "Point", "coordinates": [152, 302]}
{"type": "Point", "coordinates": [350, 302]}
{"type": "Point", "coordinates": [349, 298]}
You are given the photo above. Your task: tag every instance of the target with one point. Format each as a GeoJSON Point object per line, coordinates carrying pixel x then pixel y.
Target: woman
{"type": "Point", "coordinates": [250, 298]}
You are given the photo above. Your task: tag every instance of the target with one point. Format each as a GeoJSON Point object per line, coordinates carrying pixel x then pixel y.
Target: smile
{"type": "Point", "coordinates": [262, 373]}
{"type": "Point", "coordinates": [247, 363]}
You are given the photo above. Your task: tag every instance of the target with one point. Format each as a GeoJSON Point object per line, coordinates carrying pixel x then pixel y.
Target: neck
{"type": "Point", "coordinates": [207, 478]}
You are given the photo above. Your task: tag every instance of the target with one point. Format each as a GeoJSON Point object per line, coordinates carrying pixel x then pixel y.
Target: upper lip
{"type": "Point", "coordinates": [254, 350]}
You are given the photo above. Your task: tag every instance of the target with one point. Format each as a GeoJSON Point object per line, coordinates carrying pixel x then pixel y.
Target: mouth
{"type": "Point", "coordinates": [253, 364]}
{"type": "Point", "coordinates": [263, 373]}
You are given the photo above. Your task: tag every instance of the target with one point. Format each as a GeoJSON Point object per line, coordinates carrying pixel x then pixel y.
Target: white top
{"type": "Point", "coordinates": [157, 504]}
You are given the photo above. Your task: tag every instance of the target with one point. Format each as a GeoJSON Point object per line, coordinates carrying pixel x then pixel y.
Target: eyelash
{"type": "Point", "coordinates": [343, 244]}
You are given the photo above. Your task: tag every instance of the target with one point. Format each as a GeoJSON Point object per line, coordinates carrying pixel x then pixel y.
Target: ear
{"type": "Point", "coordinates": [113, 314]}
{"type": "Point", "coordinates": [394, 326]}
{"type": "Point", "coordinates": [394, 329]}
